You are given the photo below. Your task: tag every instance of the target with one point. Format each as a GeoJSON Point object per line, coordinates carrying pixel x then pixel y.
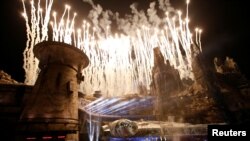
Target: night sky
{"type": "Point", "coordinates": [224, 22]}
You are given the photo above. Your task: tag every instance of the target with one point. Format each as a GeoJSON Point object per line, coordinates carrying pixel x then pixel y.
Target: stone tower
{"type": "Point", "coordinates": [53, 104]}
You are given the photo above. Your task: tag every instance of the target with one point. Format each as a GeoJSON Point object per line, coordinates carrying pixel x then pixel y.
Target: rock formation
{"type": "Point", "coordinates": [217, 95]}
{"type": "Point", "coordinates": [6, 78]}
{"type": "Point", "coordinates": [166, 82]}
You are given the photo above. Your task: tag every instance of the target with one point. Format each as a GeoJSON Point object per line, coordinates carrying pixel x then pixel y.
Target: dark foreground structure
{"type": "Point", "coordinates": [50, 108]}
{"type": "Point", "coordinates": [54, 109]}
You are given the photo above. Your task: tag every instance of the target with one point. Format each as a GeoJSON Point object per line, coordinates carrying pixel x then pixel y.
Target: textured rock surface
{"type": "Point", "coordinates": [6, 78]}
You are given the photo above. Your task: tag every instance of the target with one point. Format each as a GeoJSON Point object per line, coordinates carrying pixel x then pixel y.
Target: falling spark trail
{"type": "Point", "coordinates": [199, 40]}
{"type": "Point", "coordinates": [34, 36]}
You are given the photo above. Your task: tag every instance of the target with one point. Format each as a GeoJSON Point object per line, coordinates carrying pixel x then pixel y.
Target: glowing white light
{"type": "Point", "coordinates": [199, 40]}
{"type": "Point", "coordinates": [67, 6]}
{"type": "Point", "coordinates": [24, 15]}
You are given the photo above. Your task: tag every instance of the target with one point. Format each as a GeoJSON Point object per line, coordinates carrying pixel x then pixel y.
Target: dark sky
{"type": "Point", "coordinates": [224, 22]}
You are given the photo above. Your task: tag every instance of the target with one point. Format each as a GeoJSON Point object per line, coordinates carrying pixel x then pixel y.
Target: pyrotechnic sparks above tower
{"type": "Point", "coordinates": [119, 62]}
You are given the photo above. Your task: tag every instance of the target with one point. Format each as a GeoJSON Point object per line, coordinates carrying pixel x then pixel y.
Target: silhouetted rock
{"type": "Point", "coordinates": [234, 90]}
{"type": "Point", "coordinates": [216, 96]}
